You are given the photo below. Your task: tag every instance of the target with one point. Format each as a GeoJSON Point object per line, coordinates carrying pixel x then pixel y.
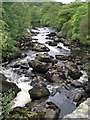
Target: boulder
{"type": "Point", "coordinates": [39, 91]}
{"type": "Point", "coordinates": [73, 70]}
{"type": "Point", "coordinates": [24, 66]}
{"type": "Point", "coordinates": [6, 86]}
{"type": "Point", "coordinates": [17, 64]}
{"type": "Point", "coordinates": [46, 58]}
{"type": "Point", "coordinates": [59, 35]}
{"type": "Point", "coordinates": [52, 34]}
{"type": "Point", "coordinates": [39, 47]}
{"type": "Point", "coordinates": [39, 66]}
{"type": "Point", "coordinates": [62, 57]}
{"type": "Point", "coordinates": [36, 110]}
{"type": "Point", "coordinates": [51, 43]}
{"type": "Point", "coordinates": [77, 97]}
{"type": "Point", "coordinates": [87, 87]}
{"type": "Point", "coordinates": [76, 84]}
{"type": "Point", "coordinates": [56, 74]}
{"type": "Point", "coordinates": [56, 39]}
{"type": "Point", "coordinates": [42, 63]}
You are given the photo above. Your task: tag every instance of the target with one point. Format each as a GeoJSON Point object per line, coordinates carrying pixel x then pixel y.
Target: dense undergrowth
{"type": "Point", "coordinates": [71, 19]}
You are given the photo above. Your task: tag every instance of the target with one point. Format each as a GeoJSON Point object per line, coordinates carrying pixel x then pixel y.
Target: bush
{"type": "Point", "coordinates": [5, 104]}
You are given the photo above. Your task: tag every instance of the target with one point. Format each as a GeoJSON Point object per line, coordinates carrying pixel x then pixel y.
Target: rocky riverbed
{"type": "Point", "coordinates": [49, 76]}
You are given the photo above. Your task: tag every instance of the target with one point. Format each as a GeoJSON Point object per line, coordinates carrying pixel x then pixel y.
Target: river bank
{"type": "Point", "coordinates": [51, 74]}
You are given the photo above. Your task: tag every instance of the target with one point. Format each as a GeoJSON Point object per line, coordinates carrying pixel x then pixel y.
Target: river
{"type": "Point", "coordinates": [64, 99]}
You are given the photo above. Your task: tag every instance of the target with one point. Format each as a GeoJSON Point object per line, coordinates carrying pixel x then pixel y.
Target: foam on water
{"type": "Point", "coordinates": [23, 96]}
{"type": "Point", "coordinates": [63, 47]}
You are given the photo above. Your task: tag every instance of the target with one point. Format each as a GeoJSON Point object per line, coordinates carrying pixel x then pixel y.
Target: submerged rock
{"type": "Point", "coordinates": [39, 91]}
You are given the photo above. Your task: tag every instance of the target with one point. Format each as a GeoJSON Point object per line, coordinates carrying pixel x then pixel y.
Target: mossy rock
{"type": "Point", "coordinates": [39, 91]}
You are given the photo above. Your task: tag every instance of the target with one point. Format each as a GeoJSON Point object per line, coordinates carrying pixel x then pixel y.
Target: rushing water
{"type": "Point", "coordinates": [63, 100]}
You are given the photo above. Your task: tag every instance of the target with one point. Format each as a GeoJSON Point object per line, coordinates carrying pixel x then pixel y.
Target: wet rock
{"type": "Point", "coordinates": [77, 97]}
{"type": "Point", "coordinates": [16, 65]}
{"type": "Point", "coordinates": [81, 101]}
{"type": "Point", "coordinates": [6, 86]}
{"type": "Point", "coordinates": [19, 113]}
{"type": "Point", "coordinates": [52, 34]}
{"type": "Point", "coordinates": [56, 74]}
{"type": "Point", "coordinates": [87, 87]}
{"type": "Point", "coordinates": [48, 110]}
{"type": "Point", "coordinates": [51, 43]}
{"type": "Point", "coordinates": [46, 58]}
{"type": "Point", "coordinates": [76, 83]}
{"type": "Point", "coordinates": [59, 35]}
{"type": "Point", "coordinates": [39, 91]}
{"type": "Point", "coordinates": [39, 47]}
{"type": "Point", "coordinates": [17, 54]}
{"type": "Point", "coordinates": [73, 70]}
{"type": "Point", "coordinates": [56, 39]}
{"type": "Point", "coordinates": [23, 55]}
{"type": "Point", "coordinates": [39, 66]}
{"type": "Point", "coordinates": [24, 66]}
{"type": "Point", "coordinates": [36, 110]}
{"type": "Point", "coordinates": [42, 63]}
{"type": "Point", "coordinates": [62, 57]}
{"type": "Point", "coordinates": [52, 111]}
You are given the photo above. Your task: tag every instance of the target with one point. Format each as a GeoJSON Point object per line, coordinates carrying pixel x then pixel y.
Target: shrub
{"type": "Point", "coordinates": [6, 104]}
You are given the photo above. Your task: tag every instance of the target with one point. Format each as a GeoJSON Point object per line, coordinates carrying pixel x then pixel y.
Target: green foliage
{"type": "Point", "coordinates": [85, 31]}
{"type": "Point", "coordinates": [49, 18]}
{"type": "Point", "coordinates": [79, 15]}
{"type": "Point", "coordinates": [17, 16]}
{"type": "Point", "coordinates": [6, 104]}
{"type": "Point", "coordinates": [7, 44]}
{"type": "Point", "coordinates": [15, 20]}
